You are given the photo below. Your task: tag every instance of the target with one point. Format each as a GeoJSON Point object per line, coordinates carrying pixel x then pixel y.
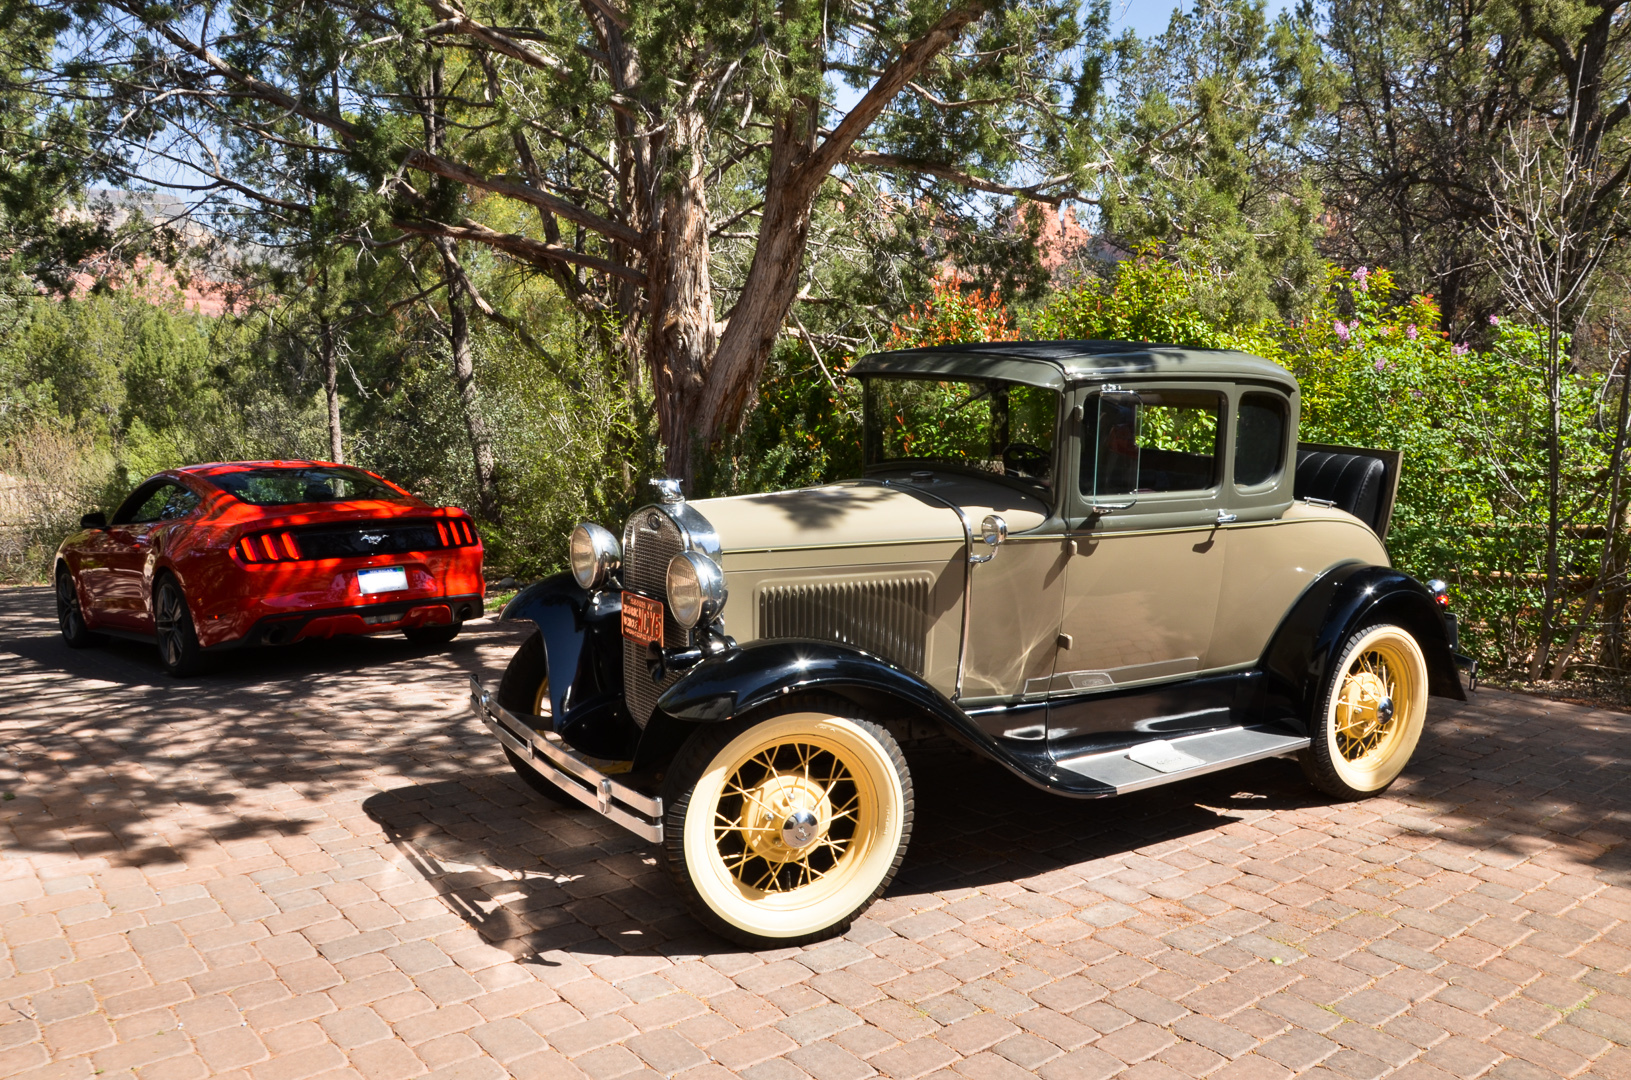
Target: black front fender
{"type": "Point", "coordinates": [743, 679]}
{"type": "Point", "coordinates": [1299, 657]}
{"type": "Point", "coordinates": [757, 675]}
{"type": "Point", "coordinates": [583, 647]}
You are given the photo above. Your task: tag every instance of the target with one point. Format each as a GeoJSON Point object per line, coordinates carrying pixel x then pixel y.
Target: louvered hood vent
{"type": "Point", "coordinates": [888, 617]}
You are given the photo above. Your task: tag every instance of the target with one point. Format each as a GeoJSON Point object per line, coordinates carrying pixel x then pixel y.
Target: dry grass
{"type": "Point", "coordinates": [48, 478]}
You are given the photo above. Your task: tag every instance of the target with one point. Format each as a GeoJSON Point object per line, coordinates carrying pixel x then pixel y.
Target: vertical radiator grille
{"type": "Point", "coordinates": [649, 542]}
{"type": "Point", "coordinates": [888, 617]}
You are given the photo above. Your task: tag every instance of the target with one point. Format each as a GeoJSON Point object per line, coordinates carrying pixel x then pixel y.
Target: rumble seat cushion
{"type": "Point", "coordinates": [1352, 481]}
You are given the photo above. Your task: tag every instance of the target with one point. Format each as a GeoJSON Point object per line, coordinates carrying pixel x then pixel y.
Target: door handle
{"type": "Point", "coordinates": [1225, 517]}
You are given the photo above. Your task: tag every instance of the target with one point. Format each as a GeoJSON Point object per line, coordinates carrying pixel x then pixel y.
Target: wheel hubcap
{"type": "Point", "coordinates": [800, 829]}
{"type": "Point", "coordinates": [1365, 711]}
{"type": "Point", "coordinates": [787, 817]}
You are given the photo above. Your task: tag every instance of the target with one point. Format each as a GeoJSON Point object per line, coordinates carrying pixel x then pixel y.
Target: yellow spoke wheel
{"type": "Point", "coordinates": [785, 829]}
{"type": "Point", "coordinates": [1374, 707]}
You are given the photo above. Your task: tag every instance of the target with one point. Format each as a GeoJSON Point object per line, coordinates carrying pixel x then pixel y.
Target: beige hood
{"type": "Point", "coordinates": [854, 513]}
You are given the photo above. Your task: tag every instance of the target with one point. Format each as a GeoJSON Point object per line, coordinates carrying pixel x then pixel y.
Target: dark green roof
{"type": "Point", "coordinates": [1057, 364]}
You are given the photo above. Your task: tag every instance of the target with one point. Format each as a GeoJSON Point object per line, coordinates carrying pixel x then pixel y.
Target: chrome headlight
{"type": "Point", "coordinates": [696, 589]}
{"type": "Point", "coordinates": [595, 554]}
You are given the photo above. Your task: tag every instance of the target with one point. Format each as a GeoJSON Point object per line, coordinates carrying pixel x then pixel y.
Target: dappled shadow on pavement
{"type": "Point", "coordinates": [106, 754]}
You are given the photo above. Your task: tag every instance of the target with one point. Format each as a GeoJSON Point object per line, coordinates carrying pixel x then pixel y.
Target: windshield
{"type": "Point", "coordinates": [997, 427]}
{"type": "Point", "coordinates": [274, 486]}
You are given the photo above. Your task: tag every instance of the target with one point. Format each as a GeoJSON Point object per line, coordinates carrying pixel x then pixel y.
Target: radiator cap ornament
{"type": "Point", "coordinates": [668, 490]}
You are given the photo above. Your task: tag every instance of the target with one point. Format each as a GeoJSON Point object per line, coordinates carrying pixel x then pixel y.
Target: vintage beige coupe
{"type": "Point", "coordinates": [1102, 565]}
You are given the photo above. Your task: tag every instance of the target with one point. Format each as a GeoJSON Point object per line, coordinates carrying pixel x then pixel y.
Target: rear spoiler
{"type": "Point", "coordinates": [1362, 481]}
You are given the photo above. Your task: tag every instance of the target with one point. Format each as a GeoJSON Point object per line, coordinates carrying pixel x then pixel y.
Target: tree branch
{"type": "Point", "coordinates": [458, 22]}
{"type": "Point", "coordinates": [913, 59]}
{"type": "Point", "coordinates": [968, 180]}
{"type": "Point", "coordinates": [534, 251]}
{"type": "Point", "coordinates": [260, 88]}
{"type": "Point", "coordinates": [514, 189]}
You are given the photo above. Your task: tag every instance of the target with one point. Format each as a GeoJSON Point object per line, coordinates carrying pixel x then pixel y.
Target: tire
{"type": "Point", "coordinates": [1371, 714]}
{"type": "Point", "coordinates": [71, 617]}
{"type": "Point", "coordinates": [432, 635]}
{"type": "Point", "coordinates": [524, 690]}
{"type": "Point", "coordinates": [746, 868]}
{"type": "Point", "coordinates": [173, 625]}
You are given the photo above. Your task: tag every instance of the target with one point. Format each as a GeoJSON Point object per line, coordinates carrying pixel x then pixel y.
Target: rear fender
{"type": "Point", "coordinates": [583, 648]}
{"type": "Point", "coordinates": [1340, 601]}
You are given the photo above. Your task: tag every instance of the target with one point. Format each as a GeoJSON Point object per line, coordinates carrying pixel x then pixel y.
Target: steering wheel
{"type": "Point", "coordinates": [1026, 459]}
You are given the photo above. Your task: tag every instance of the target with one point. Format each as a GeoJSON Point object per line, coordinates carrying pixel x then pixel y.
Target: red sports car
{"type": "Point", "coordinates": [212, 557]}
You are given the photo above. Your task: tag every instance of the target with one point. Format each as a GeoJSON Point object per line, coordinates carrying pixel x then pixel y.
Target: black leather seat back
{"type": "Point", "coordinates": [1353, 482]}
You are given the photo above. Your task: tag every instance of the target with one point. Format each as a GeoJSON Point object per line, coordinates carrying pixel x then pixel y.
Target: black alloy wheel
{"type": "Point", "coordinates": [70, 617]}
{"type": "Point", "coordinates": [178, 642]}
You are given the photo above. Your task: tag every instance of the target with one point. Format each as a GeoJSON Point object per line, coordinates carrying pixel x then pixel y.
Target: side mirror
{"type": "Point", "coordinates": [96, 520]}
{"type": "Point", "coordinates": [993, 531]}
{"type": "Point", "coordinates": [1116, 451]}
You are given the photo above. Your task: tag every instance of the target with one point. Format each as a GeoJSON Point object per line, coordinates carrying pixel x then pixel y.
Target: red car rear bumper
{"type": "Point", "coordinates": [374, 618]}
{"type": "Point", "coordinates": [279, 603]}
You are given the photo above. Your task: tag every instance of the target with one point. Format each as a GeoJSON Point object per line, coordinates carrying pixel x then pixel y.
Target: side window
{"type": "Point", "coordinates": [143, 505]}
{"type": "Point", "coordinates": [1260, 438]}
{"type": "Point", "coordinates": [1151, 442]}
{"type": "Point", "coordinates": [152, 507]}
{"type": "Point", "coordinates": [179, 502]}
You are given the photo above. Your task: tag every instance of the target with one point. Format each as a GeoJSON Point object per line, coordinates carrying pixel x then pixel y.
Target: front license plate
{"type": "Point", "coordinates": [383, 579]}
{"type": "Point", "coordinates": [642, 619]}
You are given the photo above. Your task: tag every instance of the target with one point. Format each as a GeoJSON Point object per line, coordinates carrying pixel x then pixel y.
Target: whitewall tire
{"type": "Point", "coordinates": [783, 828]}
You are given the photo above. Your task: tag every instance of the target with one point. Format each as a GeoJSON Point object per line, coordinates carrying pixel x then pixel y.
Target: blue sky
{"type": "Point", "coordinates": [1149, 17]}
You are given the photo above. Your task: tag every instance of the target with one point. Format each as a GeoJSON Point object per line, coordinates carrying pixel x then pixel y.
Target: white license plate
{"type": "Point", "coordinates": [384, 579]}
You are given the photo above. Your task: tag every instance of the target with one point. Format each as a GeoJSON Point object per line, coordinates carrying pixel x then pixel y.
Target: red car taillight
{"type": "Point", "coordinates": [269, 547]}
{"type": "Point", "coordinates": [456, 532]}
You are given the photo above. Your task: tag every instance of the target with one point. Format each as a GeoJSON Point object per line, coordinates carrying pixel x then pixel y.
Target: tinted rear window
{"type": "Point", "coordinates": [316, 484]}
{"type": "Point", "coordinates": [1260, 438]}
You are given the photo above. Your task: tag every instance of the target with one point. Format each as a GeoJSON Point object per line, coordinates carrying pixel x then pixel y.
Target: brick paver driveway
{"type": "Point", "coordinates": [314, 862]}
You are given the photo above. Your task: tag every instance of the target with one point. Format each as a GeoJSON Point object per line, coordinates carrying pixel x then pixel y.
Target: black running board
{"type": "Point", "coordinates": [1166, 761]}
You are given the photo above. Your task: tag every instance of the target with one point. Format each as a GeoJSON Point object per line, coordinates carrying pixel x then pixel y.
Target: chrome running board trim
{"type": "Point", "coordinates": [558, 763]}
{"type": "Point", "coordinates": [1165, 761]}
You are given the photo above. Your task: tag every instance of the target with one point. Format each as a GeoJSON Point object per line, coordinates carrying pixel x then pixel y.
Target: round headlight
{"type": "Point", "coordinates": [595, 553]}
{"type": "Point", "coordinates": [696, 589]}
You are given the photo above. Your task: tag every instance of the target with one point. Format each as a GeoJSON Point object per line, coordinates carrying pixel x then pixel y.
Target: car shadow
{"type": "Point", "coordinates": [538, 879]}
{"type": "Point", "coordinates": [1487, 781]}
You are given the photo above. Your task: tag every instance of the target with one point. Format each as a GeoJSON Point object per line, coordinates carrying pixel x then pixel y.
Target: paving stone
{"type": "Point", "coordinates": [1084, 1064]}
{"type": "Point", "coordinates": [916, 1058]}
{"type": "Point", "coordinates": [666, 1051]}
{"type": "Point", "coordinates": [828, 1061]}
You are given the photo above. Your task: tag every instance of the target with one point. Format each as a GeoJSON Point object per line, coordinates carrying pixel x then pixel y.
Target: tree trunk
{"type": "Point", "coordinates": [331, 387]}
{"type": "Point", "coordinates": [772, 280]}
{"type": "Point", "coordinates": [464, 378]}
{"type": "Point", "coordinates": [707, 395]}
{"type": "Point", "coordinates": [681, 337]}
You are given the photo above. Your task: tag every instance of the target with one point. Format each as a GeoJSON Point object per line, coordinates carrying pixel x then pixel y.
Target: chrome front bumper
{"type": "Point", "coordinates": [562, 766]}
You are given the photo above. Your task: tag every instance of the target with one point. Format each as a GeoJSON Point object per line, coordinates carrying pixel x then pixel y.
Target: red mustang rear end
{"type": "Point", "coordinates": [211, 557]}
